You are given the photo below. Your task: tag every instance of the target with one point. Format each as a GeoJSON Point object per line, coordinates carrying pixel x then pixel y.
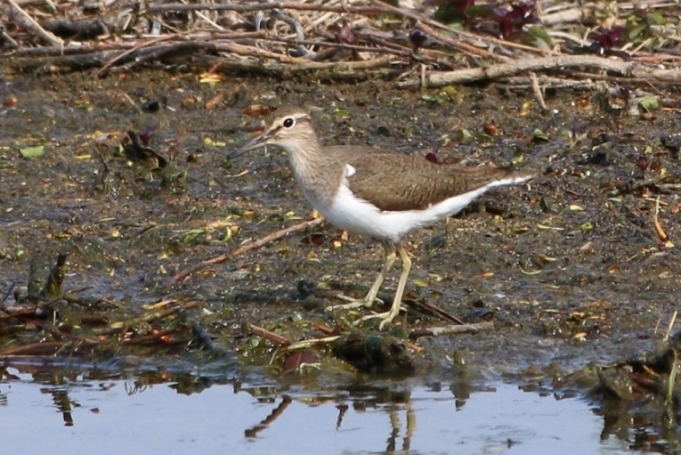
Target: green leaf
{"type": "Point", "coordinates": [192, 235]}
{"type": "Point", "coordinates": [586, 227]}
{"type": "Point", "coordinates": [656, 19]}
{"type": "Point", "coordinates": [540, 33]}
{"type": "Point", "coordinates": [636, 31]}
{"type": "Point", "coordinates": [465, 135]}
{"type": "Point", "coordinates": [479, 11]}
{"type": "Point", "coordinates": [649, 103]}
{"type": "Point", "coordinates": [539, 135]}
{"type": "Point", "coordinates": [447, 14]}
{"type": "Point", "coordinates": [432, 99]}
{"type": "Point", "coordinates": [481, 137]}
{"type": "Point", "coordinates": [419, 283]}
{"type": "Point", "coordinates": [529, 272]}
{"type": "Point", "coordinates": [33, 152]}
{"type": "Point", "coordinates": [449, 92]}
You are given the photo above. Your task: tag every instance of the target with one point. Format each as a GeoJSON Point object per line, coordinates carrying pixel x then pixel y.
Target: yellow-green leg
{"type": "Point", "coordinates": [397, 302]}
{"type": "Point", "coordinates": [371, 297]}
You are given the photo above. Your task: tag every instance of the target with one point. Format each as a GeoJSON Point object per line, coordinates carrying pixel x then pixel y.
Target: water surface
{"type": "Point", "coordinates": [82, 415]}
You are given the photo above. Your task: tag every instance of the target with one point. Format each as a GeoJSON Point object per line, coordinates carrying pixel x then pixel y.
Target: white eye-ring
{"type": "Point", "coordinates": [289, 122]}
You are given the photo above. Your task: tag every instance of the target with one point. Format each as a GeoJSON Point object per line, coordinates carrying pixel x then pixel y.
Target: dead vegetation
{"type": "Point", "coordinates": [535, 44]}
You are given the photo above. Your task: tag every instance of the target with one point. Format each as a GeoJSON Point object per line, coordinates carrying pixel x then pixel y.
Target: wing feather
{"type": "Point", "coordinates": [395, 182]}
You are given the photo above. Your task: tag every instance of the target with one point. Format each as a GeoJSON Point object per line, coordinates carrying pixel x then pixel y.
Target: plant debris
{"type": "Point", "coordinates": [452, 41]}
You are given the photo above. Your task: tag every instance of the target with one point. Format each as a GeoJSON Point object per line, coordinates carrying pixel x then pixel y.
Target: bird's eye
{"type": "Point", "coordinates": [288, 123]}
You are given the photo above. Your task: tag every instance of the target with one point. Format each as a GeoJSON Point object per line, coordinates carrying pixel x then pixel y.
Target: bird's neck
{"type": "Point", "coordinates": [319, 174]}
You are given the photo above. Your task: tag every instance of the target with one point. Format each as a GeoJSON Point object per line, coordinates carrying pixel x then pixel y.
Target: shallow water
{"type": "Point", "coordinates": [103, 416]}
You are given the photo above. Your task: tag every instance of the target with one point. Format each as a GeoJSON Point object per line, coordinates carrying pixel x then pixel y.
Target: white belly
{"type": "Point", "coordinates": [360, 217]}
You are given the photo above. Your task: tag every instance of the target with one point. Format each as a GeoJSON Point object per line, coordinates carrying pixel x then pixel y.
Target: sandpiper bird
{"type": "Point", "coordinates": [379, 193]}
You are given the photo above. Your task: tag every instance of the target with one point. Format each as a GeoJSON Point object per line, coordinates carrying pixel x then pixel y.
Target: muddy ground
{"type": "Point", "coordinates": [570, 267]}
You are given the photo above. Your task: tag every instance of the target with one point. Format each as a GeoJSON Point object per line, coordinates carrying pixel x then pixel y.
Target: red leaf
{"type": "Point", "coordinates": [294, 360]}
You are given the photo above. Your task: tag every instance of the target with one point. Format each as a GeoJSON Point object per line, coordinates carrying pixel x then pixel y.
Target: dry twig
{"type": "Point", "coordinates": [28, 23]}
{"type": "Point", "coordinates": [544, 63]}
{"type": "Point", "coordinates": [451, 329]}
{"type": "Point", "coordinates": [246, 248]}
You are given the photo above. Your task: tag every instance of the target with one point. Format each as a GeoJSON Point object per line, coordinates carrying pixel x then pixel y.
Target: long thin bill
{"type": "Point", "coordinates": [254, 143]}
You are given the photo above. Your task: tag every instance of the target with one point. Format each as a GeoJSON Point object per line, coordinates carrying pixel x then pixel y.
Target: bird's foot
{"type": "Point", "coordinates": [354, 303]}
{"type": "Point", "coordinates": [387, 317]}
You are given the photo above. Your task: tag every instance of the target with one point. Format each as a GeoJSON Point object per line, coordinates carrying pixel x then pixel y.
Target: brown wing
{"type": "Point", "coordinates": [393, 181]}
